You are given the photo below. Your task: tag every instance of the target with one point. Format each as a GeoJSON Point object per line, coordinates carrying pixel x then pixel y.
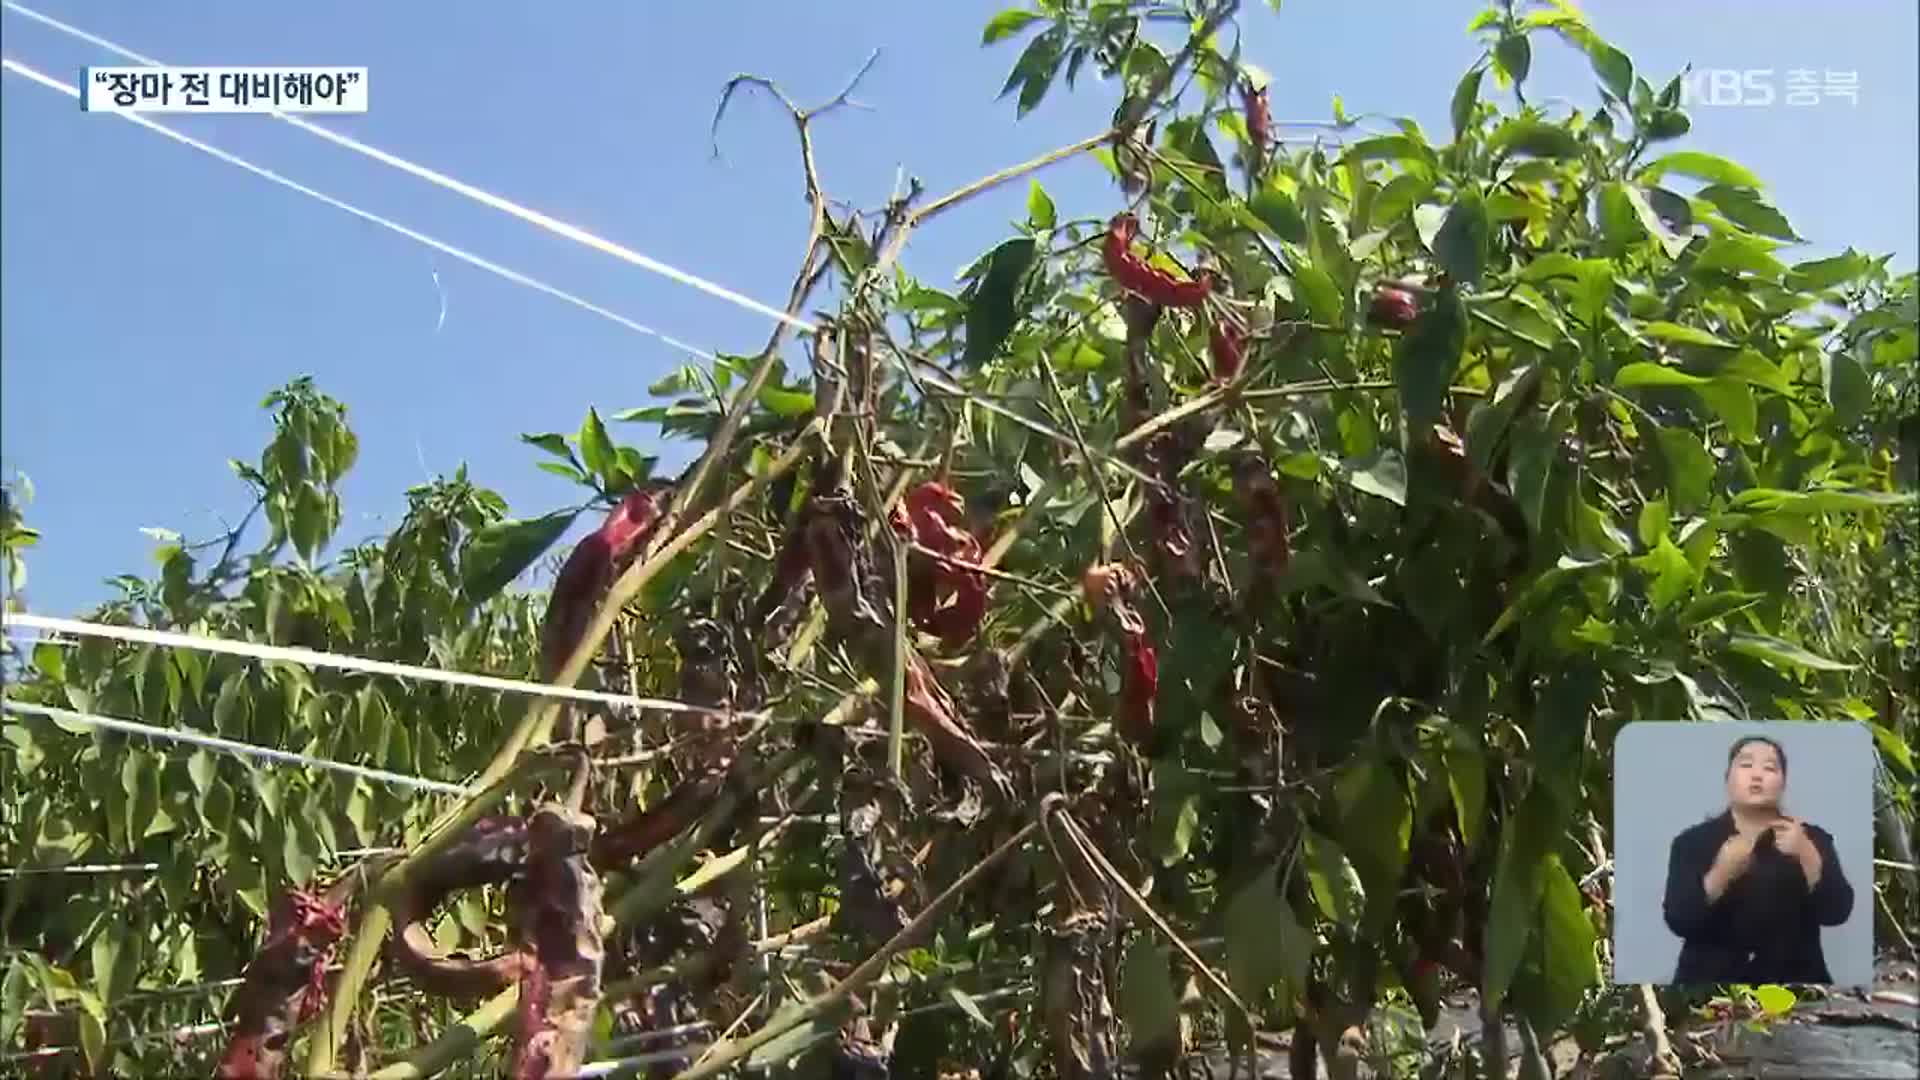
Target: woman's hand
{"type": "Point", "coordinates": [1790, 836]}
{"type": "Point", "coordinates": [1731, 861]}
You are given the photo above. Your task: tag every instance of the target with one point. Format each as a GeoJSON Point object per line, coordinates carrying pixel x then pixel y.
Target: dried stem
{"type": "Point", "coordinates": [724, 1054]}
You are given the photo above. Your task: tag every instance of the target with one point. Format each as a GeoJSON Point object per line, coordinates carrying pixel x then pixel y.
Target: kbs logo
{"type": "Point", "coordinates": [1758, 87]}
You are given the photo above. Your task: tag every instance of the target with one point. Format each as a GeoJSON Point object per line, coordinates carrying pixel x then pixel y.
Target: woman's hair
{"type": "Point", "coordinates": [1748, 740]}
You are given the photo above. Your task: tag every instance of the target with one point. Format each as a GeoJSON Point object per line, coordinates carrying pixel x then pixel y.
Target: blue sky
{"type": "Point", "coordinates": [150, 296]}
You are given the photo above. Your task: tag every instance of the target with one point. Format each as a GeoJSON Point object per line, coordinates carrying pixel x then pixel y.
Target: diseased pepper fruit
{"type": "Point", "coordinates": [1266, 516]}
{"type": "Point", "coordinates": [590, 571]}
{"type": "Point", "coordinates": [491, 852]}
{"type": "Point", "coordinates": [1392, 308]}
{"type": "Point", "coordinates": [285, 983]}
{"type": "Point", "coordinates": [560, 919]}
{"type": "Point", "coordinates": [1259, 123]}
{"type": "Point", "coordinates": [1226, 344]}
{"type": "Point", "coordinates": [1133, 273]}
{"type": "Point", "coordinates": [946, 593]}
{"type": "Point", "coordinates": [1108, 589]}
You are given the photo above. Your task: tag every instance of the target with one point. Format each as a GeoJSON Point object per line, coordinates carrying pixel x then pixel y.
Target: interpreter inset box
{"type": "Point", "coordinates": [1743, 854]}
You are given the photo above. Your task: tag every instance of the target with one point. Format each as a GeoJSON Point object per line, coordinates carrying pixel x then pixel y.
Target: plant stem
{"type": "Point", "coordinates": [725, 1053]}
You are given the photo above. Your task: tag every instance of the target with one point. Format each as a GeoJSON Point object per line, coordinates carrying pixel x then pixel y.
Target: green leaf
{"type": "Point", "coordinates": [1278, 211]}
{"type": "Point", "coordinates": [1267, 948]}
{"type": "Point", "coordinates": [1569, 964]}
{"type": "Point", "coordinates": [787, 404]}
{"type": "Point", "coordinates": [1427, 356]}
{"type": "Point", "coordinates": [1848, 390]}
{"type": "Point", "coordinates": [991, 301]}
{"type": "Point", "coordinates": [1700, 166]}
{"type": "Point", "coordinates": [1148, 1004]}
{"type": "Point", "coordinates": [1519, 873]}
{"type": "Point", "coordinates": [1006, 24]}
{"type": "Point", "coordinates": [1465, 94]}
{"type": "Point", "coordinates": [1396, 198]}
{"type": "Point", "coordinates": [1335, 884]}
{"type": "Point", "coordinates": [1773, 650]}
{"type": "Point", "coordinates": [596, 449]}
{"type": "Point", "coordinates": [1176, 815]}
{"type": "Point", "coordinates": [93, 1041]}
{"type": "Point", "coordinates": [1613, 67]}
{"type": "Point", "coordinates": [1690, 468]}
{"type": "Point", "coordinates": [1818, 275]}
{"type": "Point", "coordinates": [1716, 606]}
{"type": "Point", "coordinates": [497, 554]}
{"type": "Point", "coordinates": [1652, 526]}
{"type": "Point", "coordinates": [1536, 448]}
{"type": "Point", "coordinates": [1671, 575]}
{"type": "Point", "coordinates": [1466, 767]}
{"type": "Point", "coordinates": [1384, 475]}
{"type": "Point", "coordinates": [1686, 335]}
{"type": "Point", "coordinates": [1667, 124]}
{"type": "Point", "coordinates": [1740, 252]}
{"type": "Point", "coordinates": [1747, 209]}
{"type": "Point", "coordinates": [1515, 56]}
{"type": "Point", "coordinates": [967, 1005]}
{"type": "Point", "coordinates": [552, 442]}
{"type": "Point", "coordinates": [1322, 296]}
{"type": "Point", "coordinates": [1818, 500]}
{"type": "Point", "coordinates": [1461, 244]}
{"type": "Point", "coordinates": [1589, 280]}
{"type": "Point", "coordinates": [1535, 138]}
{"type": "Point", "coordinates": [1753, 368]}
{"type": "Point", "coordinates": [1375, 830]}
{"type": "Point", "coordinates": [1731, 398]}
{"type": "Point", "coordinates": [1774, 1000]}
{"type": "Point", "coordinates": [1041, 215]}
{"type": "Point", "coordinates": [1034, 72]}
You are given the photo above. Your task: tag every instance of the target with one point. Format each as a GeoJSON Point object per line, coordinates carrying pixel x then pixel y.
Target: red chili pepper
{"type": "Point", "coordinates": [1226, 343]}
{"type": "Point", "coordinates": [1393, 307]}
{"type": "Point", "coordinates": [1132, 272]}
{"type": "Point", "coordinates": [1139, 685]}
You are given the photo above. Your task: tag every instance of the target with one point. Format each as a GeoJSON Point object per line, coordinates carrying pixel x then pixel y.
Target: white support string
{"type": "Point", "coordinates": [341, 661]}
{"type": "Point", "coordinates": [150, 867]}
{"type": "Point", "coordinates": [926, 372]}
{"type": "Point", "coordinates": [215, 742]}
{"type": "Point", "coordinates": [485, 198]}
{"type": "Point", "coordinates": [471, 259]}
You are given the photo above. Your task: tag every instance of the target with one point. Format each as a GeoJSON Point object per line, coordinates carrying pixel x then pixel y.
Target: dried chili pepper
{"type": "Point", "coordinates": [947, 594]}
{"type": "Point", "coordinates": [1266, 512]}
{"type": "Point", "coordinates": [285, 981]}
{"type": "Point", "coordinates": [559, 919]}
{"type": "Point", "coordinates": [1133, 273]}
{"type": "Point", "coordinates": [1393, 308]}
{"type": "Point", "coordinates": [1108, 589]}
{"type": "Point", "coordinates": [589, 572]}
{"type": "Point", "coordinates": [1259, 123]}
{"type": "Point", "coordinates": [833, 535]}
{"type": "Point", "coordinates": [1226, 344]}
{"type": "Point", "coordinates": [492, 852]}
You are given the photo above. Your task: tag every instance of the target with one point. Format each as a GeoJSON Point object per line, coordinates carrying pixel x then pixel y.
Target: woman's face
{"type": "Point", "coordinates": [1755, 778]}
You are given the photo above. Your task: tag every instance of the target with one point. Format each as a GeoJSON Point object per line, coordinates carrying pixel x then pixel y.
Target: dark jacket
{"type": "Point", "coordinates": [1766, 927]}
